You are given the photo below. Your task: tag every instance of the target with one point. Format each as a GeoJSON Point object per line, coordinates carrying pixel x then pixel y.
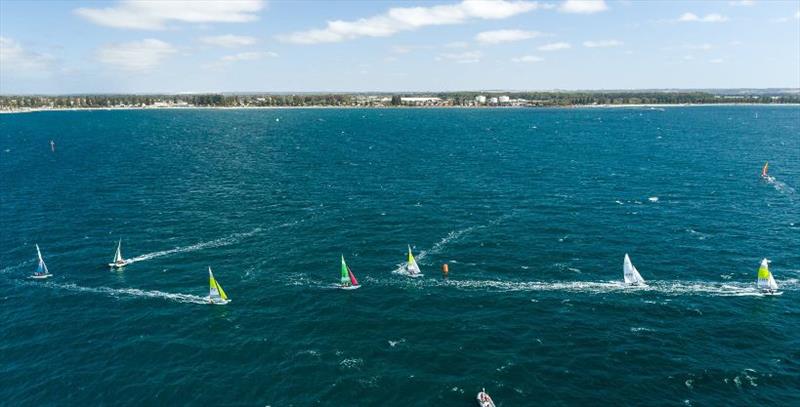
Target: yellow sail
{"type": "Point", "coordinates": [221, 291]}
{"type": "Point", "coordinates": [410, 256]}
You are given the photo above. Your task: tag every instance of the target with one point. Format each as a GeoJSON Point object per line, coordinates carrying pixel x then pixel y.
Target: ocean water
{"type": "Point", "coordinates": [533, 210]}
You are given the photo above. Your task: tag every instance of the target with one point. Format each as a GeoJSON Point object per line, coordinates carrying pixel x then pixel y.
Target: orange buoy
{"type": "Point", "coordinates": [445, 270]}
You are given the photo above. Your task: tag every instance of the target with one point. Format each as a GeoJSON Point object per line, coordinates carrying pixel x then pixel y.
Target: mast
{"type": "Point", "coordinates": [118, 254]}
{"type": "Point", "coordinates": [630, 274]}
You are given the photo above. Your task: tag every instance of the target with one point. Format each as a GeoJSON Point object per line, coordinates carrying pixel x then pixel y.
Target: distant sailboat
{"type": "Point", "coordinates": [216, 294]}
{"type": "Point", "coordinates": [349, 281]}
{"type": "Point", "coordinates": [118, 262]}
{"type": "Point", "coordinates": [766, 283]}
{"type": "Point", "coordinates": [630, 273]}
{"type": "Point", "coordinates": [764, 170]}
{"type": "Point", "coordinates": [412, 268]}
{"type": "Point", "coordinates": [41, 270]}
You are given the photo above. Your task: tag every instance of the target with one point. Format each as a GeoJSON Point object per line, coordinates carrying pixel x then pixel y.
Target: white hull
{"type": "Point", "coordinates": [217, 301]}
{"type": "Point", "coordinates": [415, 275]}
{"type": "Point", "coordinates": [117, 265]}
{"type": "Point", "coordinates": [771, 292]}
{"type": "Point", "coordinates": [41, 276]}
{"type": "Point", "coordinates": [484, 400]}
{"type": "Point", "coordinates": [349, 287]}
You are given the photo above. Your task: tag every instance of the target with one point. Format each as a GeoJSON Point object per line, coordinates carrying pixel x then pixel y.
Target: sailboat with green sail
{"type": "Point", "coordinates": [348, 281]}
{"type": "Point", "coordinates": [766, 283]}
{"type": "Point", "coordinates": [412, 268]}
{"type": "Point", "coordinates": [216, 294]}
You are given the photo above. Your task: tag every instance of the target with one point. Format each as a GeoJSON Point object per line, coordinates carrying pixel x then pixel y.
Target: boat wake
{"type": "Point", "coordinates": [437, 247]}
{"type": "Point", "coordinates": [127, 292]}
{"type": "Point", "coordinates": [778, 185]}
{"type": "Point", "coordinates": [225, 241]}
{"type": "Point", "coordinates": [670, 288]}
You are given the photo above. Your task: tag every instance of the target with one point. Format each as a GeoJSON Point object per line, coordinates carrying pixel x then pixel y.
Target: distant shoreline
{"type": "Point", "coordinates": [649, 105]}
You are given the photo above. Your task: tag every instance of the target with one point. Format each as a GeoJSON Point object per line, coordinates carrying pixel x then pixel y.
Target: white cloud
{"type": "Point", "coordinates": [500, 36]}
{"type": "Point", "coordinates": [527, 58]}
{"type": "Point", "coordinates": [456, 44]}
{"type": "Point", "coordinates": [410, 18]}
{"type": "Point", "coordinates": [708, 18]}
{"type": "Point", "coordinates": [743, 3]}
{"type": "Point", "coordinates": [467, 57]}
{"type": "Point", "coordinates": [248, 56]}
{"type": "Point", "coordinates": [15, 59]}
{"type": "Point", "coordinates": [154, 15]}
{"type": "Point", "coordinates": [229, 40]}
{"type": "Point", "coordinates": [716, 61]}
{"type": "Point", "coordinates": [555, 46]}
{"type": "Point", "coordinates": [136, 56]}
{"type": "Point", "coordinates": [602, 44]}
{"type": "Point", "coordinates": [583, 6]}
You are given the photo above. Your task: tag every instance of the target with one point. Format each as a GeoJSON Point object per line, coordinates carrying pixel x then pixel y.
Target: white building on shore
{"type": "Point", "coordinates": [480, 99]}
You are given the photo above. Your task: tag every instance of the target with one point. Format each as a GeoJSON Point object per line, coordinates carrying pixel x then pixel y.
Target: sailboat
{"type": "Point", "coordinates": [41, 270]}
{"type": "Point", "coordinates": [216, 294]}
{"type": "Point", "coordinates": [118, 262]}
{"type": "Point", "coordinates": [764, 170]}
{"type": "Point", "coordinates": [411, 267]}
{"type": "Point", "coordinates": [766, 283]}
{"type": "Point", "coordinates": [484, 400]}
{"type": "Point", "coordinates": [349, 281]}
{"type": "Point", "coordinates": [631, 275]}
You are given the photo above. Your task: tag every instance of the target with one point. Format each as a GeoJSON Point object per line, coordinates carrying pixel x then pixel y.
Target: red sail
{"type": "Point", "coordinates": [352, 277]}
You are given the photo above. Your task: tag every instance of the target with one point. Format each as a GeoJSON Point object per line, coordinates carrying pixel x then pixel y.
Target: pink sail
{"type": "Point", "coordinates": [352, 277]}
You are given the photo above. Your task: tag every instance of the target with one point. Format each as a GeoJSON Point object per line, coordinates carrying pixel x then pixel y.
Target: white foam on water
{"type": "Point", "coordinates": [653, 199]}
{"type": "Point", "coordinates": [225, 241]}
{"type": "Point", "coordinates": [126, 292]}
{"type": "Point", "coordinates": [780, 186]}
{"type": "Point", "coordinates": [670, 288]}
{"type": "Point", "coordinates": [397, 342]}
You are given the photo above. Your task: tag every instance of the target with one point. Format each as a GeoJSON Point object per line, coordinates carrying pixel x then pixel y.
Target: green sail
{"type": "Point", "coordinates": [345, 276]}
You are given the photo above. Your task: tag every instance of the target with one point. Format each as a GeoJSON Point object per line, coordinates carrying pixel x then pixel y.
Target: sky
{"type": "Point", "coordinates": [169, 46]}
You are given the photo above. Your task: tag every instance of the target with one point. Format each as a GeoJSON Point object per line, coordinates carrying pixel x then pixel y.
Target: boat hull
{"type": "Point", "coordinates": [415, 275]}
{"type": "Point", "coordinates": [117, 266]}
{"type": "Point", "coordinates": [41, 276]}
{"type": "Point", "coordinates": [484, 400]}
{"type": "Point", "coordinates": [349, 287]}
{"type": "Point", "coordinates": [217, 301]}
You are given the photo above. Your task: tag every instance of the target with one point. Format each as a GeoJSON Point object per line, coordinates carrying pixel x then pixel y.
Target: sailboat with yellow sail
{"type": "Point", "coordinates": [412, 268]}
{"type": "Point", "coordinates": [766, 283]}
{"type": "Point", "coordinates": [216, 294]}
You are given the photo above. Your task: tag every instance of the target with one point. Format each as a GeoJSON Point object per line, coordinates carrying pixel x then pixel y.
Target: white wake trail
{"type": "Point", "coordinates": [127, 292]}
{"type": "Point", "coordinates": [225, 241]}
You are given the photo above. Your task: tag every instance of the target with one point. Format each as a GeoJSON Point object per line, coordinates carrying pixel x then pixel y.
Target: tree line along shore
{"type": "Point", "coordinates": [441, 99]}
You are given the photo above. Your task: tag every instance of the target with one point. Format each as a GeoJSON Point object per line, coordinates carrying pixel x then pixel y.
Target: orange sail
{"type": "Point", "coordinates": [764, 170]}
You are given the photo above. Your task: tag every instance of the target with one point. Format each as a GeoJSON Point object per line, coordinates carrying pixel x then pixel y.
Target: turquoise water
{"type": "Point", "coordinates": [533, 211]}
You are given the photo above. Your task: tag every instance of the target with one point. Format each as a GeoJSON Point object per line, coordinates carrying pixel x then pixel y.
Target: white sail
{"type": "Point", "coordinates": [41, 268]}
{"type": "Point", "coordinates": [630, 273]}
{"type": "Point", "coordinates": [118, 255]}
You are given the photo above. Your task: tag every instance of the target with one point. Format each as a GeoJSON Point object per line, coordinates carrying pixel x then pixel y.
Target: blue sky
{"type": "Point", "coordinates": [275, 46]}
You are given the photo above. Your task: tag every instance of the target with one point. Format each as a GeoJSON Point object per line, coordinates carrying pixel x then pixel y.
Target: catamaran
{"type": "Point", "coordinates": [216, 294]}
{"type": "Point", "coordinates": [631, 275]}
{"type": "Point", "coordinates": [118, 262]}
{"type": "Point", "coordinates": [41, 270]}
{"type": "Point", "coordinates": [411, 267]}
{"type": "Point", "coordinates": [766, 283]}
{"type": "Point", "coordinates": [349, 281]}
{"type": "Point", "coordinates": [484, 400]}
{"type": "Point", "coordinates": [764, 170]}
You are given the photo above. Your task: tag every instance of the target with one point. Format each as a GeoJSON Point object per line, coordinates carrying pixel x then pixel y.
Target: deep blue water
{"type": "Point", "coordinates": [533, 209]}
